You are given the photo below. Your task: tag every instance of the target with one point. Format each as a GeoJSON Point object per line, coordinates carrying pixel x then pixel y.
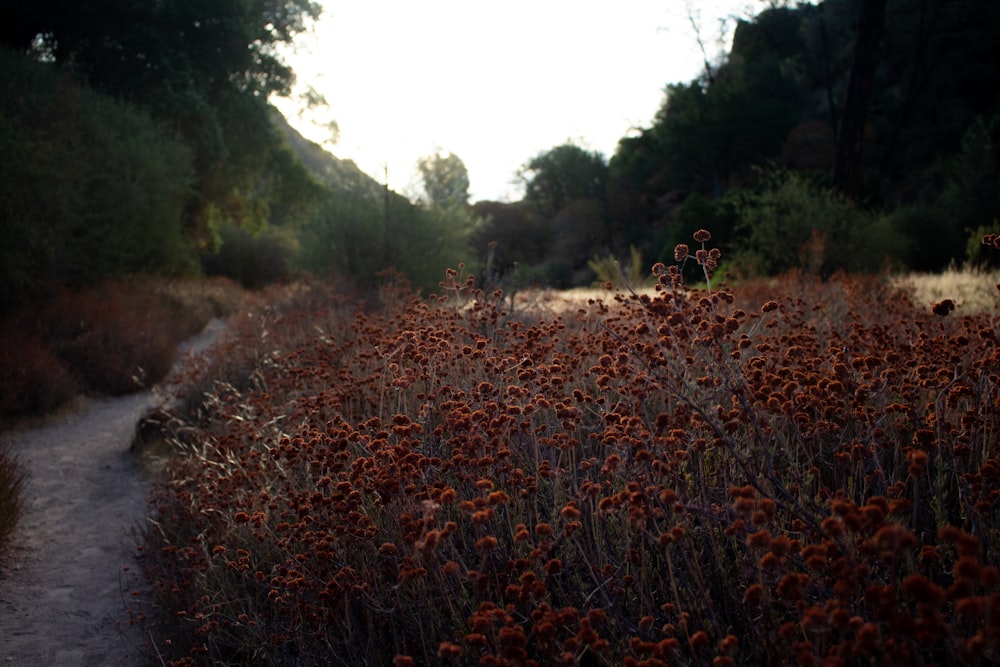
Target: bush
{"type": "Point", "coordinates": [790, 223]}
{"type": "Point", "coordinates": [35, 380]}
{"type": "Point", "coordinates": [800, 472]}
{"type": "Point", "coordinates": [253, 260]}
{"type": "Point", "coordinates": [90, 188]}
{"type": "Point", "coordinates": [111, 338]}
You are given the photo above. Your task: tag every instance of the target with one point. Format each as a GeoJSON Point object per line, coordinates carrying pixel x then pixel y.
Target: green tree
{"type": "Point", "coordinates": [207, 67]}
{"type": "Point", "coordinates": [558, 176]}
{"type": "Point", "coordinates": [511, 240]}
{"type": "Point", "coordinates": [90, 187]}
{"type": "Point", "coordinates": [790, 222]}
{"type": "Point", "coordinates": [445, 180]}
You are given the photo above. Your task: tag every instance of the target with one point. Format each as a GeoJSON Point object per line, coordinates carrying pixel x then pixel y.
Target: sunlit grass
{"type": "Point", "coordinates": [972, 290]}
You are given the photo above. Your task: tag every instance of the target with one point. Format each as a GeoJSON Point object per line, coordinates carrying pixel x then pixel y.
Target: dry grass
{"type": "Point", "coordinates": [972, 290]}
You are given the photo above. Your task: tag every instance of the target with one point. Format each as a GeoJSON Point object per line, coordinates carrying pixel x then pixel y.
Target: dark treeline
{"type": "Point", "coordinates": [788, 162]}
{"type": "Point", "coordinates": [138, 137]}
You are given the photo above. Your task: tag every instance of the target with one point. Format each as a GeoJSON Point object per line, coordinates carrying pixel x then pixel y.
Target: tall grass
{"type": "Point", "coordinates": [807, 475]}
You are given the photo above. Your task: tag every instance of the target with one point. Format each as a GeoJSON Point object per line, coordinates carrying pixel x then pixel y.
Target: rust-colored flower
{"type": "Point", "coordinates": [448, 651]}
{"type": "Point", "coordinates": [698, 640]}
{"type": "Point", "coordinates": [681, 251]}
{"type": "Point", "coordinates": [753, 594]}
{"type": "Point", "coordinates": [702, 235]}
{"type": "Point", "coordinates": [943, 307]}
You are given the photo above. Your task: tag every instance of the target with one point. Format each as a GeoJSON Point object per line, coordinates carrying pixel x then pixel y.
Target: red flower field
{"type": "Point", "coordinates": [791, 472]}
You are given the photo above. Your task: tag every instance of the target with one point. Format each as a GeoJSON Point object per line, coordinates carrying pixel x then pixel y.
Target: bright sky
{"type": "Point", "coordinates": [495, 83]}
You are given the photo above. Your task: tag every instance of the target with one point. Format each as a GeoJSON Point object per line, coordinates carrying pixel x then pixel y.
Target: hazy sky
{"type": "Point", "coordinates": [495, 83]}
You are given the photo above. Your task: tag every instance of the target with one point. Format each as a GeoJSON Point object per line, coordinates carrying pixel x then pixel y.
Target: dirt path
{"type": "Point", "coordinates": [67, 583]}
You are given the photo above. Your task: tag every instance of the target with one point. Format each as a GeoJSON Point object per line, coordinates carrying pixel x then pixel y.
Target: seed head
{"type": "Point", "coordinates": [680, 252]}
{"type": "Point", "coordinates": [944, 307]}
{"type": "Point", "coordinates": [702, 235]}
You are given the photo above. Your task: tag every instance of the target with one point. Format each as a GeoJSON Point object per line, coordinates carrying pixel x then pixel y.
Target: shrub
{"type": "Point", "coordinates": [115, 338]}
{"type": "Point", "coordinates": [254, 260]}
{"type": "Point", "coordinates": [791, 223]}
{"type": "Point", "coordinates": [35, 380]}
{"type": "Point", "coordinates": [90, 188]}
{"type": "Point", "coordinates": [804, 475]}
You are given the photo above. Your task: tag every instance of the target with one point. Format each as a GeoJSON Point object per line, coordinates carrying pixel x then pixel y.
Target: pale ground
{"type": "Point", "coordinates": [70, 578]}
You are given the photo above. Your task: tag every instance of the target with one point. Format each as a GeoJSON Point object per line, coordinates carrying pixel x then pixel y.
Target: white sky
{"type": "Point", "coordinates": [495, 83]}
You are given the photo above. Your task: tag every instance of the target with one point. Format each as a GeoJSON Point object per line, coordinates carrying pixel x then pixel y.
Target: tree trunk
{"type": "Point", "coordinates": [860, 82]}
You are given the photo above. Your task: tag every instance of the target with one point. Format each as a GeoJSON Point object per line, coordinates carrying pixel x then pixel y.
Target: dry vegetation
{"type": "Point", "coordinates": [972, 290]}
{"type": "Point", "coordinates": [794, 472]}
{"type": "Point", "coordinates": [113, 338]}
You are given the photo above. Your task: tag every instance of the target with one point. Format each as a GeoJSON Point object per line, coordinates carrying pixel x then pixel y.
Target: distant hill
{"type": "Point", "coordinates": [330, 170]}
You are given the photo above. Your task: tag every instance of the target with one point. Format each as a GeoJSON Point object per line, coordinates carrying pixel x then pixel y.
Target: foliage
{"type": "Point", "coordinates": [509, 237]}
{"type": "Point", "coordinates": [91, 188]}
{"type": "Point", "coordinates": [206, 70]}
{"type": "Point", "coordinates": [778, 98]}
{"type": "Point", "coordinates": [631, 274]}
{"type": "Point", "coordinates": [801, 471]}
{"type": "Point", "coordinates": [445, 180]}
{"type": "Point", "coordinates": [357, 236]}
{"type": "Point", "coordinates": [788, 222]}
{"type": "Point", "coordinates": [110, 338]}
{"type": "Point", "coordinates": [562, 174]}
{"type": "Point", "coordinates": [252, 260]}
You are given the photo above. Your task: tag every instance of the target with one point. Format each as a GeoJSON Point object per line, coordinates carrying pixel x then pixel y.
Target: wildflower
{"type": "Point", "coordinates": [918, 463]}
{"type": "Point", "coordinates": [543, 530]}
{"type": "Point", "coordinates": [680, 252]}
{"type": "Point", "coordinates": [698, 639]}
{"type": "Point", "coordinates": [570, 512]}
{"type": "Point", "coordinates": [942, 308]}
{"type": "Point", "coordinates": [448, 650]}
{"type": "Point", "coordinates": [702, 235]}
{"type": "Point", "coordinates": [753, 594]}
{"type": "Point", "coordinates": [922, 589]}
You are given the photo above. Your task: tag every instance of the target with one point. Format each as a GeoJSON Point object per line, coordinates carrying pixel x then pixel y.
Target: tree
{"type": "Point", "coordinates": [860, 84]}
{"type": "Point", "coordinates": [206, 67]}
{"type": "Point", "coordinates": [445, 179]}
{"type": "Point", "coordinates": [558, 176]}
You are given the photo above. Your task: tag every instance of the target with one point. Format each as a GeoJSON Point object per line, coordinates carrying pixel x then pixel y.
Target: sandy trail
{"type": "Point", "coordinates": [68, 582]}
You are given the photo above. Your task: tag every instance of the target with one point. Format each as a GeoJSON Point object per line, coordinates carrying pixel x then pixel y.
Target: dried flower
{"type": "Point", "coordinates": [702, 235]}
{"type": "Point", "coordinates": [943, 307]}
{"type": "Point", "coordinates": [680, 252]}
